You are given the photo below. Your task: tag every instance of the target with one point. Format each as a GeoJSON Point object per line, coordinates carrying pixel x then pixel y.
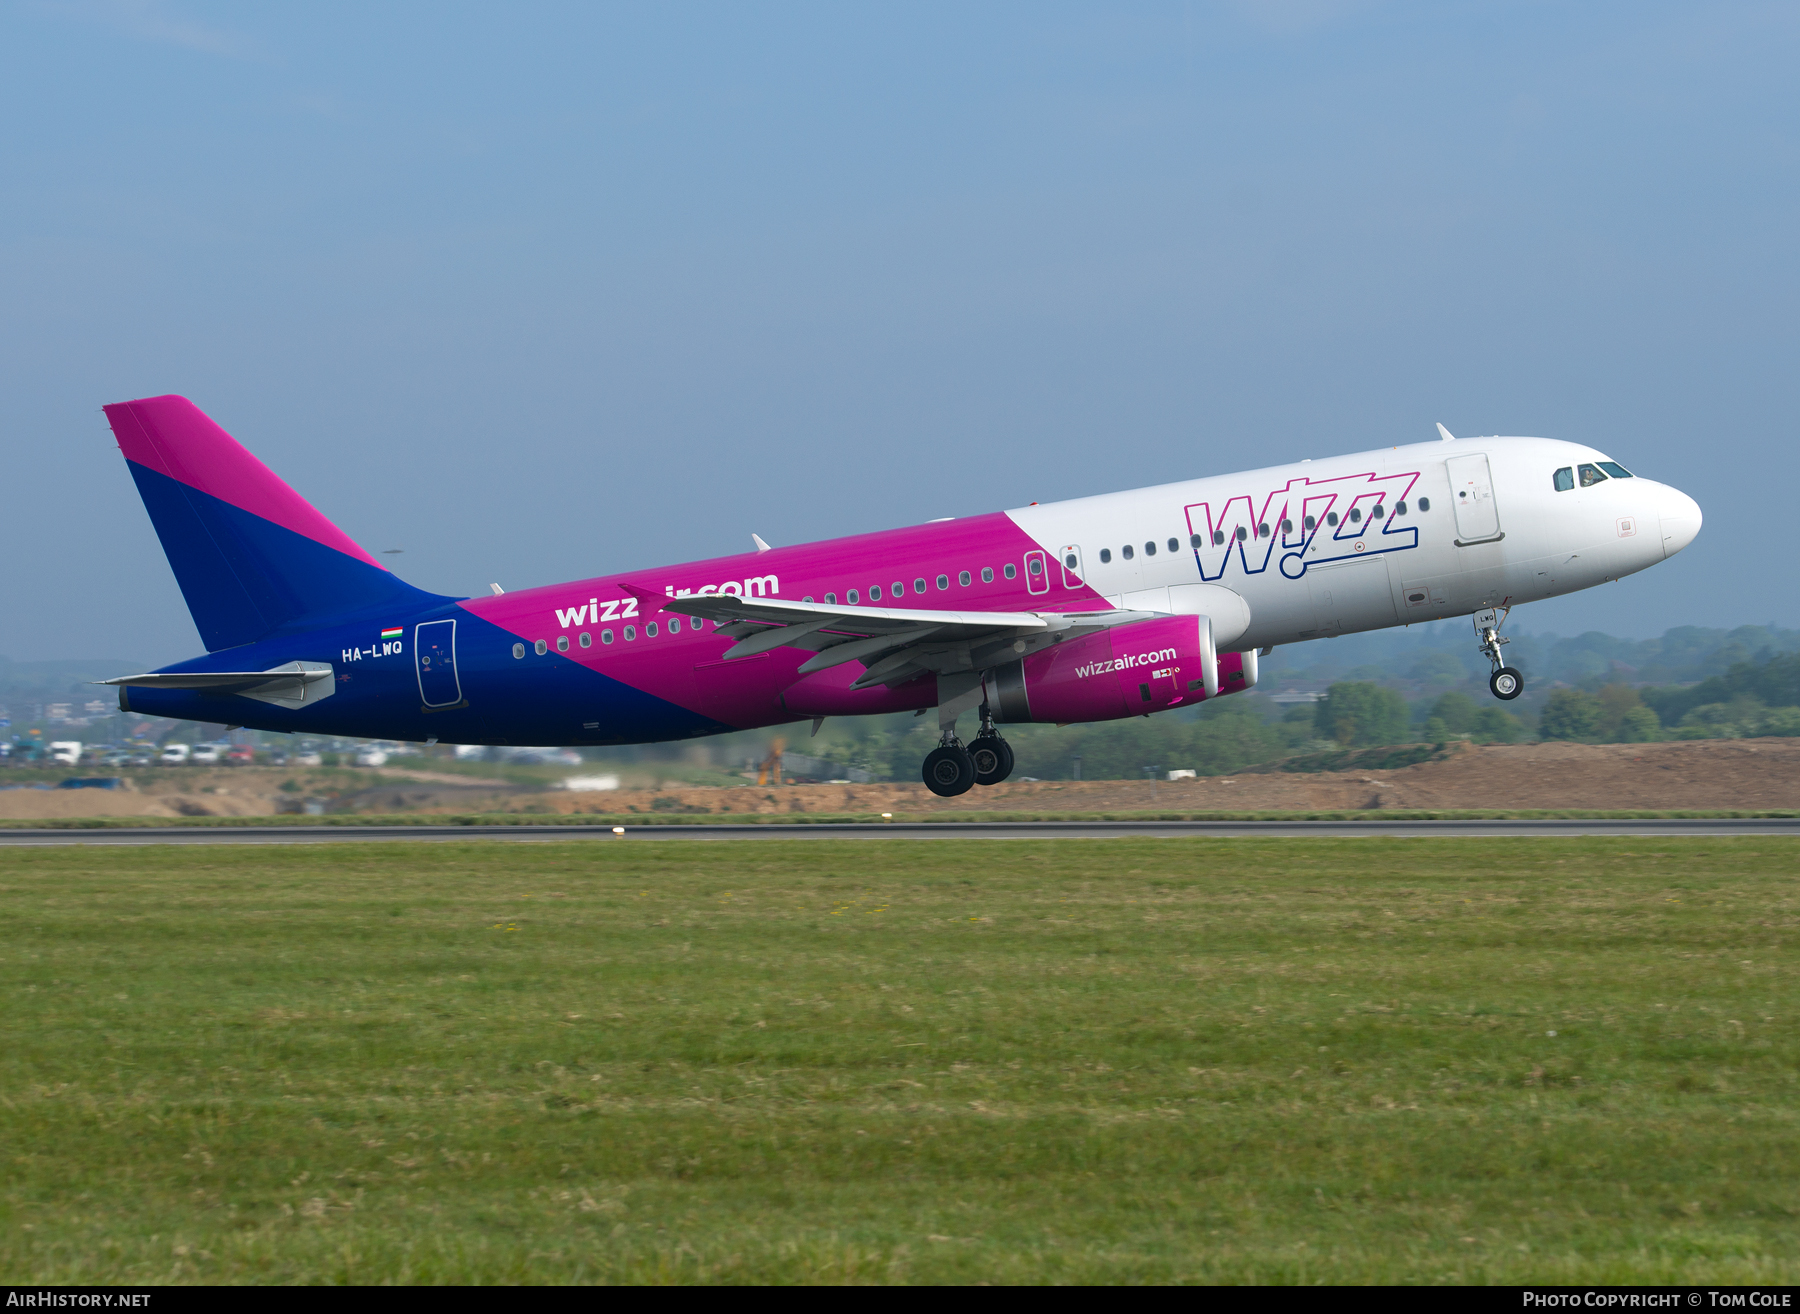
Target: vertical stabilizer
{"type": "Point", "coordinates": [250, 554]}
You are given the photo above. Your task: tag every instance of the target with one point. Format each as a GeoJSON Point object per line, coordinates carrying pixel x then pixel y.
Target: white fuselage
{"type": "Point", "coordinates": [1374, 539]}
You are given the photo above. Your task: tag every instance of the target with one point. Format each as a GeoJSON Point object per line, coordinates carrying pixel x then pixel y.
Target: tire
{"type": "Point", "coordinates": [993, 758]}
{"type": "Point", "coordinates": [949, 771]}
{"type": "Point", "coordinates": [1506, 683]}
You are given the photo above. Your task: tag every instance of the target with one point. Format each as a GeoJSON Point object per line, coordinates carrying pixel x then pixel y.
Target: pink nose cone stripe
{"type": "Point", "coordinates": [173, 437]}
{"type": "Point", "coordinates": [687, 668]}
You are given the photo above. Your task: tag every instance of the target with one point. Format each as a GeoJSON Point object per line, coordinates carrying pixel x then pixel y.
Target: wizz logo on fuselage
{"type": "Point", "coordinates": [1344, 517]}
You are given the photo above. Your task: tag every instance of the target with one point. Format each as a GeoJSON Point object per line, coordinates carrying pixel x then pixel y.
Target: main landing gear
{"type": "Point", "coordinates": [1507, 682]}
{"type": "Point", "coordinates": [951, 769]}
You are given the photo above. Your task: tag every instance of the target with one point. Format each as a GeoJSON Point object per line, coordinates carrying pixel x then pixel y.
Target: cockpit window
{"type": "Point", "coordinates": [1614, 469]}
{"type": "Point", "coordinates": [1565, 479]}
{"type": "Point", "coordinates": [1590, 476]}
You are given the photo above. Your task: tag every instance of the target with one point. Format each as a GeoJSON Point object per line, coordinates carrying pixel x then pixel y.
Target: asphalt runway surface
{"type": "Point", "coordinates": [1633, 827]}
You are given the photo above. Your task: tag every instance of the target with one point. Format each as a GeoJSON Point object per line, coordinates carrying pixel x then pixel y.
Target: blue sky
{"type": "Point", "coordinates": [537, 292]}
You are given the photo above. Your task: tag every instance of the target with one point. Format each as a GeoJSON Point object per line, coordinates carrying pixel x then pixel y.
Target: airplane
{"type": "Point", "coordinates": [1100, 608]}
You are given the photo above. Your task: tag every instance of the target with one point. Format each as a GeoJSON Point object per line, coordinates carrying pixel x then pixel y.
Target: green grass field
{"type": "Point", "coordinates": [1344, 1060]}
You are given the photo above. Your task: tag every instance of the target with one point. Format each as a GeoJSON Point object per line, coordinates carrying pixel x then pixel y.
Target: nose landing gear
{"type": "Point", "coordinates": [1507, 682]}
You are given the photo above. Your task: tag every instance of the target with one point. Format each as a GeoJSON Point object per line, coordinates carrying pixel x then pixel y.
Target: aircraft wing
{"type": "Point", "coordinates": [895, 644]}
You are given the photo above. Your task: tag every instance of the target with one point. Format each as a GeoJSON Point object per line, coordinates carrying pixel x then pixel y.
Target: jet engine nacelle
{"type": "Point", "coordinates": [1129, 670]}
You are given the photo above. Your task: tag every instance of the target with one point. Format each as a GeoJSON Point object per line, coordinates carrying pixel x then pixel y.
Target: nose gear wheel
{"type": "Point", "coordinates": [1506, 683]}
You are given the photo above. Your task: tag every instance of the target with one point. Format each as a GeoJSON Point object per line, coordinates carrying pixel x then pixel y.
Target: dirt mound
{"type": "Point", "coordinates": [1718, 774]}
{"type": "Point", "coordinates": [1729, 774]}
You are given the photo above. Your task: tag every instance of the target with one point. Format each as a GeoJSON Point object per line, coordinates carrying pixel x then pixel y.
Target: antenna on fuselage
{"type": "Point", "coordinates": [760, 545]}
{"type": "Point", "coordinates": [1447, 435]}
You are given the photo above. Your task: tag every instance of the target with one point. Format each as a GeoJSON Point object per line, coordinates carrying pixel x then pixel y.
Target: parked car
{"type": "Point", "coordinates": [278, 757]}
{"type": "Point", "coordinates": [205, 755]}
{"type": "Point", "coordinates": [175, 754]}
{"type": "Point", "coordinates": [307, 758]}
{"type": "Point", "coordinates": [142, 759]}
{"type": "Point", "coordinates": [65, 752]}
{"type": "Point", "coordinates": [240, 755]}
{"type": "Point", "coordinates": [371, 756]}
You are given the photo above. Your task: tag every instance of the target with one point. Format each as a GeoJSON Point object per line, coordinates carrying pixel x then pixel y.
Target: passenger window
{"type": "Point", "coordinates": [1311, 524]}
{"type": "Point", "coordinates": [1126, 552]}
{"type": "Point", "coordinates": [1356, 515]}
{"type": "Point", "coordinates": [1287, 526]}
{"type": "Point", "coordinates": [541, 647]}
{"type": "Point", "coordinates": [674, 628]}
{"type": "Point", "coordinates": [605, 636]}
{"type": "Point", "coordinates": [1400, 507]}
{"type": "Point", "coordinates": [1564, 479]}
{"type": "Point", "coordinates": [807, 598]}
{"type": "Point", "coordinates": [943, 581]}
{"type": "Point", "coordinates": [519, 651]}
{"type": "Point", "coordinates": [1105, 556]}
{"type": "Point", "coordinates": [650, 630]}
{"type": "Point", "coordinates": [1218, 537]}
{"type": "Point", "coordinates": [874, 593]}
{"type": "Point", "coordinates": [1150, 548]}
{"type": "Point", "coordinates": [1331, 517]}
{"type": "Point", "coordinates": [1010, 571]}
{"type": "Point", "coordinates": [1174, 545]}
{"type": "Point", "coordinates": [1616, 470]}
{"type": "Point", "coordinates": [965, 579]}
{"type": "Point", "coordinates": [1194, 540]}
{"type": "Point", "coordinates": [1424, 504]}
{"type": "Point", "coordinates": [587, 640]}
{"type": "Point", "coordinates": [1262, 531]}
{"type": "Point", "coordinates": [899, 590]}
{"type": "Point", "coordinates": [1242, 534]}
{"type": "Point", "coordinates": [987, 574]}
{"type": "Point", "coordinates": [562, 643]}
{"type": "Point", "coordinates": [1590, 475]}
{"type": "Point", "coordinates": [830, 601]}
{"type": "Point", "coordinates": [851, 597]}
{"type": "Point", "coordinates": [1377, 513]}
{"type": "Point", "coordinates": [918, 586]}
{"type": "Point", "coordinates": [630, 633]}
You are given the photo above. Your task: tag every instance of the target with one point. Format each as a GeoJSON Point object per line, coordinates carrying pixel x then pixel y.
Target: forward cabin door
{"type": "Point", "coordinates": [1472, 493]}
{"type": "Point", "coordinates": [434, 655]}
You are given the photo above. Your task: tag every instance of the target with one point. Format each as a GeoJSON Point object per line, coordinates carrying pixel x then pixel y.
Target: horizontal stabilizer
{"type": "Point", "coordinates": [293, 684]}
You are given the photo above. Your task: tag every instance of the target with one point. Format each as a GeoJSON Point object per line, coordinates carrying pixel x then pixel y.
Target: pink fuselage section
{"type": "Point", "coordinates": [681, 659]}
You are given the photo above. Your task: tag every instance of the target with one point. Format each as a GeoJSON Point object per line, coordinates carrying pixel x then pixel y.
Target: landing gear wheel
{"type": "Point", "coordinates": [1506, 683]}
{"type": "Point", "coordinates": [993, 758]}
{"type": "Point", "coordinates": [949, 771]}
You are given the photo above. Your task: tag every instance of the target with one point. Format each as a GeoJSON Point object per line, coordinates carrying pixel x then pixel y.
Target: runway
{"type": "Point", "coordinates": [988, 830]}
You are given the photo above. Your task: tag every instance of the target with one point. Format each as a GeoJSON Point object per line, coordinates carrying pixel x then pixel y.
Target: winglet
{"type": "Point", "coordinates": [1447, 435]}
{"type": "Point", "coordinates": [760, 545]}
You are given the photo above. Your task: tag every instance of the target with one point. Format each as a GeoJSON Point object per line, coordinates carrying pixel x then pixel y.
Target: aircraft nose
{"type": "Point", "coordinates": [1680, 515]}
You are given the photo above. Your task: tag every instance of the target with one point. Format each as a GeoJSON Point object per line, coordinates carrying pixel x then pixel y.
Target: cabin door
{"type": "Point", "coordinates": [434, 654]}
{"type": "Point", "coordinates": [1472, 491]}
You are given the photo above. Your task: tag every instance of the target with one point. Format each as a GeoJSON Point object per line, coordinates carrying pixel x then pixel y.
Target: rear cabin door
{"type": "Point", "coordinates": [1472, 488]}
{"type": "Point", "coordinates": [434, 653]}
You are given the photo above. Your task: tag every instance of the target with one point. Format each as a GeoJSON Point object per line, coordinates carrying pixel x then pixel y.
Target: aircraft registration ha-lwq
{"type": "Point", "coordinates": [1125, 604]}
